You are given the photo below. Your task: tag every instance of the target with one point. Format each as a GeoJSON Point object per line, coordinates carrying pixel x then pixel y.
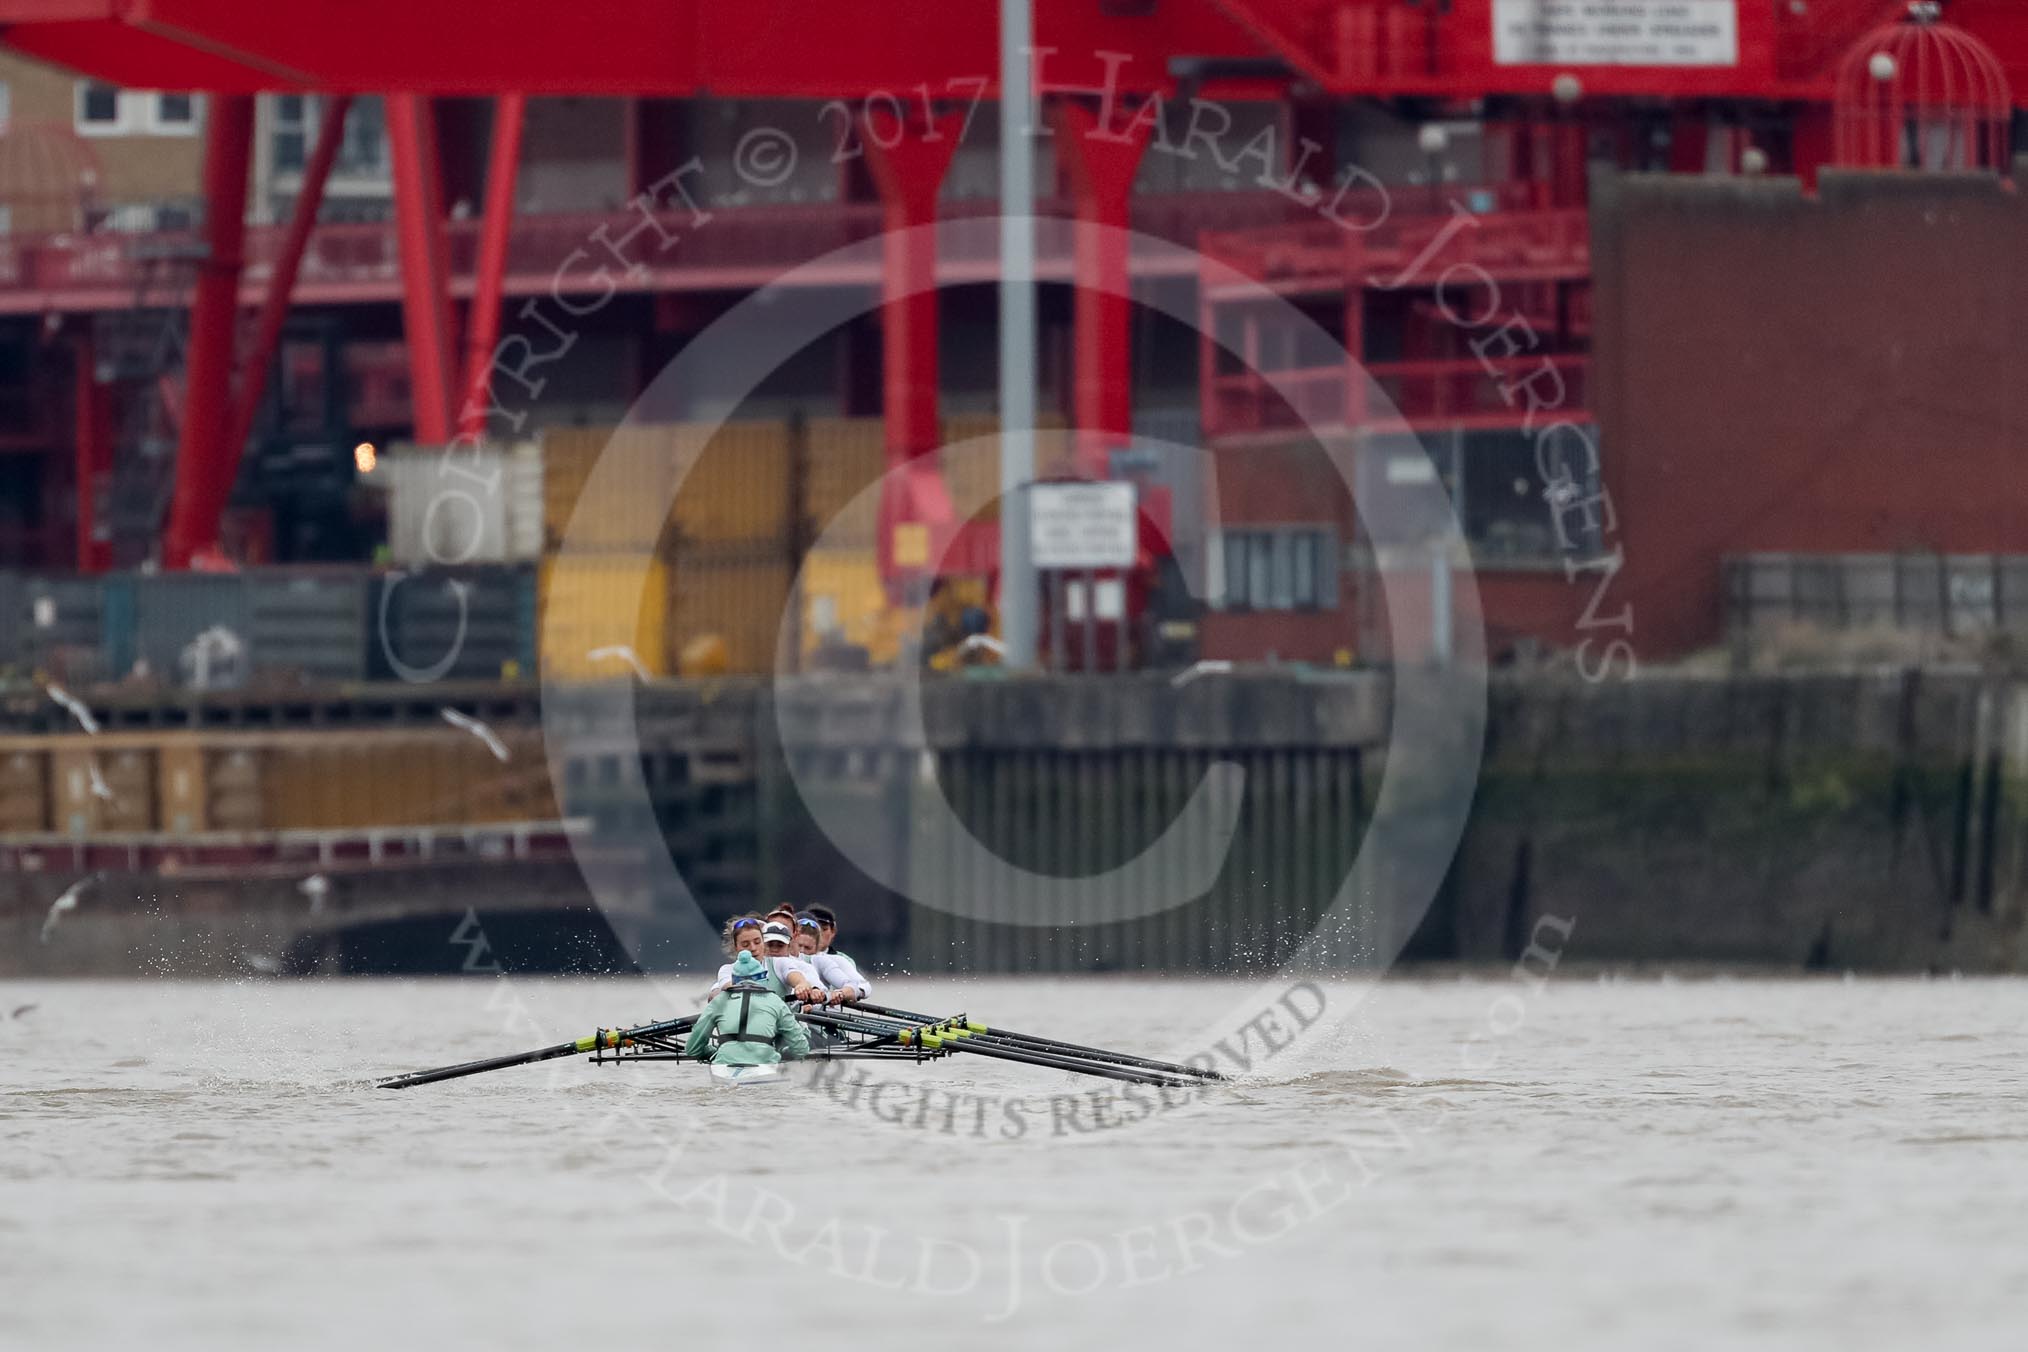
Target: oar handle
{"type": "Point", "coordinates": [1048, 1044]}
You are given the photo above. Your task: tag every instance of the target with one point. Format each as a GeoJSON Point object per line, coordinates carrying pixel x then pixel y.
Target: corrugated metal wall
{"type": "Point", "coordinates": [1301, 815]}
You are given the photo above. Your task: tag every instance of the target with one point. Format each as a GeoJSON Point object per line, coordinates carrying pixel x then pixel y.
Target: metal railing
{"type": "Point", "coordinates": [742, 246]}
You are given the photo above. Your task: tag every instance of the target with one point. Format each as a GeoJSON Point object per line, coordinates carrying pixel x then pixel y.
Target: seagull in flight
{"type": "Point", "coordinates": [74, 707]}
{"type": "Point", "coordinates": [66, 902]}
{"type": "Point", "coordinates": [316, 887]}
{"type": "Point", "coordinates": [478, 730]}
{"type": "Point", "coordinates": [1215, 666]}
{"type": "Point", "coordinates": [623, 653]}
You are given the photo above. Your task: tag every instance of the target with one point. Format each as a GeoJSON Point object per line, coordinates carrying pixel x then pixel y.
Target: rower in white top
{"type": "Point", "coordinates": [838, 973]}
{"type": "Point", "coordinates": [778, 951]}
{"type": "Point", "coordinates": [771, 942]}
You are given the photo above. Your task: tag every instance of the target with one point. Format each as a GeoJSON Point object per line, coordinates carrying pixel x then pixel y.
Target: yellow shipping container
{"type": "Point", "coordinates": [103, 792]}
{"type": "Point", "coordinates": [321, 782]}
{"type": "Point", "coordinates": [233, 800]}
{"type": "Point", "coordinates": [737, 490]}
{"type": "Point", "coordinates": [845, 456]}
{"type": "Point", "coordinates": [24, 792]}
{"type": "Point", "coordinates": [741, 601]}
{"type": "Point", "coordinates": [844, 602]}
{"type": "Point", "coordinates": [182, 786]}
{"type": "Point", "coordinates": [971, 466]}
{"type": "Point", "coordinates": [637, 469]}
{"type": "Point", "coordinates": [586, 603]}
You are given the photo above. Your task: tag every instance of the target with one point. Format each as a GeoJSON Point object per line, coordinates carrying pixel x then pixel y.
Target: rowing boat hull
{"type": "Point", "coordinates": [746, 1077]}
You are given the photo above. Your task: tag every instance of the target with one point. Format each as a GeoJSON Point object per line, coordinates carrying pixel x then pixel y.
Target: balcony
{"type": "Point", "coordinates": [1423, 395]}
{"type": "Point", "coordinates": [739, 249]}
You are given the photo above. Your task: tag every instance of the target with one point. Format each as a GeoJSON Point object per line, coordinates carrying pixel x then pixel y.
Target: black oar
{"type": "Point", "coordinates": [961, 1040]}
{"type": "Point", "coordinates": [605, 1037]}
{"type": "Point", "coordinates": [1048, 1043]}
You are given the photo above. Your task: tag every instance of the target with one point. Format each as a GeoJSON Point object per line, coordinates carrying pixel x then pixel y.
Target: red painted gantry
{"type": "Point", "coordinates": [1097, 59]}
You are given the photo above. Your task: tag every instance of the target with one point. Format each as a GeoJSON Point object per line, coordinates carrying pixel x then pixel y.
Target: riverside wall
{"type": "Point", "coordinates": [1829, 822]}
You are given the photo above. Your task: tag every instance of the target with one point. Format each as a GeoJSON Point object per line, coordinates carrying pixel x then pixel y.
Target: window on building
{"type": "Point", "coordinates": [100, 110]}
{"type": "Point", "coordinates": [362, 148]}
{"type": "Point", "coordinates": [1495, 481]}
{"type": "Point", "coordinates": [173, 114]}
{"type": "Point", "coordinates": [291, 138]}
{"type": "Point", "coordinates": [1279, 568]}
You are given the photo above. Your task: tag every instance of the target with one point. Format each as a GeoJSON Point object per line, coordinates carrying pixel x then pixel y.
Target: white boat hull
{"type": "Point", "coordinates": [745, 1077]}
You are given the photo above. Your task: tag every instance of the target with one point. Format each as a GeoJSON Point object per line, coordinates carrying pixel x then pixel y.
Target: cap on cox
{"type": "Point", "coordinates": [775, 932]}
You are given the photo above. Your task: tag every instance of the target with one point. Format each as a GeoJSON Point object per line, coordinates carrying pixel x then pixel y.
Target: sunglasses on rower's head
{"type": "Point", "coordinates": [806, 922]}
{"type": "Point", "coordinates": [739, 925]}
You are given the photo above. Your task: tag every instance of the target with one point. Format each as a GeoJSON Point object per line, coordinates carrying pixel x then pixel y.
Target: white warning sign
{"type": "Point", "coordinates": [1082, 525]}
{"type": "Point", "coordinates": [1616, 32]}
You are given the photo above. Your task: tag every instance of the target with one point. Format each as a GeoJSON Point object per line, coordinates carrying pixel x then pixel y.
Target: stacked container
{"type": "Point", "coordinates": [843, 598]}
{"type": "Point", "coordinates": [737, 532]}
{"type": "Point", "coordinates": [609, 591]}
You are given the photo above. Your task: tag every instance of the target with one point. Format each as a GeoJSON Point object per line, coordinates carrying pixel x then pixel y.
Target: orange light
{"type": "Point", "coordinates": [365, 457]}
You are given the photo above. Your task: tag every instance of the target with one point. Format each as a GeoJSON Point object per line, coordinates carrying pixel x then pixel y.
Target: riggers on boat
{"type": "Point", "coordinates": [851, 1032]}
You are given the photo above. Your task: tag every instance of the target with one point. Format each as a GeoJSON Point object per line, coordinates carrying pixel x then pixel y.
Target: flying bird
{"type": "Point", "coordinates": [986, 641]}
{"type": "Point", "coordinates": [316, 887]}
{"type": "Point", "coordinates": [100, 789]}
{"type": "Point", "coordinates": [623, 653]}
{"type": "Point", "coordinates": [74, 706]}
{"type": "Point", "coordinates": [1214, 666]}
{"type": "Point", "coordinates": [478, 730]}
{"type": "Point", "coordinates": [19, 1010]}
{"type": "Point", "coordinates": [66, 902]}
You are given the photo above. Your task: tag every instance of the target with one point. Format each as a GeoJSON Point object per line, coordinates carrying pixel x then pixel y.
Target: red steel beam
{"type": "Point", "coordinates": [204, 468]}
{"type": "Point", "coordinates": [908, 163]}
{"type": "Point", "coordinates": [822, 49]}
{"type": "Point", "coordinates": [908, 159]}
{"type": "Point", "coordinates": [1100, 163]}
{"type": "Point", "coordinates": [253, 376]}
{"type": "Point", "coordinates": [483, 325]}
{"type": "Point", "coordinates": [425, 270]}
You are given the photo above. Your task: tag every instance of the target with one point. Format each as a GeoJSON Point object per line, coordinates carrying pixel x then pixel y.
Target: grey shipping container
{"type": "Point", "coordinates": [455, 623]}
{"type": "Point", "coordinates": [57, 625]}
{"type": "Point", "coordinates": [311, 623]}
{"type": "Point", "coordinates": [169, 612]}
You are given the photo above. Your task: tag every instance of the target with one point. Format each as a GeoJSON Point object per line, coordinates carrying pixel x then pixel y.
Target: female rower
{"type": "Point", "coordinates": [742, 934]}
{"type": "Point", "coordinates": [797, 975]}
{"type": "Point", "coordinates": [838, 973]}
{"type": "Point", "coordinates": [752, 1025]}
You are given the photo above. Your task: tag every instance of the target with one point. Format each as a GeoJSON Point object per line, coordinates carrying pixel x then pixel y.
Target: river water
{"type": "Point", "coordinates": [1473, 1162]}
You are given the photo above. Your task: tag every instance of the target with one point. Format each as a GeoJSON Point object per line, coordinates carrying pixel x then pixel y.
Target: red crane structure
{"type": "Point", "coordinates": [1730, 81]}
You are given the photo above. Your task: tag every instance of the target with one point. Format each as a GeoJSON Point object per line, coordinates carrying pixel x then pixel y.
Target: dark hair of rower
{"type": "Point", "coordinates": [742, 933]}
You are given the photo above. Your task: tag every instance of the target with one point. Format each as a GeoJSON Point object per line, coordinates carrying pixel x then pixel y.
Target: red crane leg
{"type": "Point", "coordinates": [253, 375]}
{"type": "Point", "coordinates": [425, 274]}
{"type": "Point", "coordinates": [483, 327]}
{"type": "Point", "coordinates": [204, 468]}
{"type": "Point", "coordinates": [1101, 164]}
{"type": "Point", "coordinates": [908, 162]}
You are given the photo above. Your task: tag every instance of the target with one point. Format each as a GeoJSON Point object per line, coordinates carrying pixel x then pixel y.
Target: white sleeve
{"type": "Point", "coordinates": [839, 974]}
{"type": "Point", "coordinates": [724, 979]}
{"type": "Point", "coordinates": [787, 964]}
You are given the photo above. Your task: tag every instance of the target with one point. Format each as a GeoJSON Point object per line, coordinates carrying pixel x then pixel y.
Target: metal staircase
{"type": "Point", "coordinates": [141, 352]}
